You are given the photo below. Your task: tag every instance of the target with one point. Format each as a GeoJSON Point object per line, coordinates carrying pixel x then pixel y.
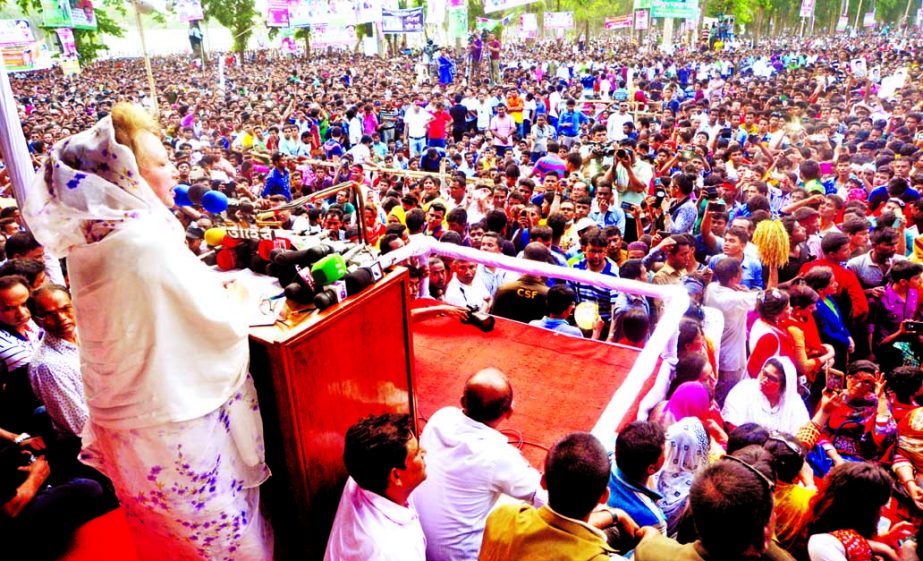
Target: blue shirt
{"type": "Point", "coordinates": [751, 268]}
{"type": "Point", "coordinates": [639, 502]}
{"type": "Point", "coordinates": [615, 216]}
{"type": "Point", "coordinates": [830, 323]}
{"type": "Point", "coordinates": [277, 183]}
{"type": "Point", "coordinates": [559, 325]}
{"type": "Point", "coordinates": [569, 122]}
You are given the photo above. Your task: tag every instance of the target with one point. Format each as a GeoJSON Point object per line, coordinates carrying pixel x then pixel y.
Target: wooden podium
{"type": "Point", "coordinates": [314, 381]}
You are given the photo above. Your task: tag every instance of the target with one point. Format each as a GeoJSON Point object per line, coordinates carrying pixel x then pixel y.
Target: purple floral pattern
{"type": "Point", "coordinates": [197, 496]}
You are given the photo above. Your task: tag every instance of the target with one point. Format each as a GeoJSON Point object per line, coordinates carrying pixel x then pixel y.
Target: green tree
{"type": "Point", "coordinates": [88, 41]}
{"type": "Point", "coordinates": [238, 16]}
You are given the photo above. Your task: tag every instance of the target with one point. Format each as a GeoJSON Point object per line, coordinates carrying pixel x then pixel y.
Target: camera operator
{"type": "Point", "coordinates": [631, 176]}
{"type": "Point", "coordinates": [597, 154]}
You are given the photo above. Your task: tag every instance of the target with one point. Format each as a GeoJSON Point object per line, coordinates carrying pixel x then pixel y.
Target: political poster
{"type": "Point", "coordinates": [277, 17]}
{"type": "Point", "coordinates": [642, 19]}
{"type": "Point", "coordinates": [68, 45]}
{"type": "Point", "coordinates": [559, 20]}
{"type": "Point", "coordinates": [807, 8]}
{"type": "Point", "coordinates": [24, 58]}
{"type": "Point", "coordinates": [82, 14]}
{"type": "Point", "coordinates": [15, 32]}
{"type": "Point", "coordinates": [368, 11]}
{"type": "Point", "coordinates": [618, 22]}
{"type": "Point", "coordinates": [77, 14]}
{"type": "Point", "coordinates": [868, 20]}
{"type": "Point", "coordinates": [458, 22]}
{"type": "Point", "coordinates": [304, 13]}
{"type": "Point", "coordinates": [528, 24]}
{"type": "Point", "coordinates": [189, 10]}
{"type": "Point", "coordinates": [287, 42]}
{"type": "Point", "coordinates": [676, 9]}
{"type": "Point", "coordinates": [842, 23]}
{"type": "Point", "coordinates": [497, 5]}
{"type": "Point", "coordinates": [325, 35]}
{"type": "Point", "coordinates": [402, 21]}
{"type": "Point", "coordinates": [277, 13]}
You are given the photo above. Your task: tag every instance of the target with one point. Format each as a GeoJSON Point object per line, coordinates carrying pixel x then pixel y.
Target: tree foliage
{"type": "Point", "coordinates": [238, 16]}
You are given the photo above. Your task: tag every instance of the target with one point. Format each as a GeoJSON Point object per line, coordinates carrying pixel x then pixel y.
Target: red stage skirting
{"type": "Point", "coordinates": [106, 538]}
{"type": "Point", "coordinates": [560, 383]}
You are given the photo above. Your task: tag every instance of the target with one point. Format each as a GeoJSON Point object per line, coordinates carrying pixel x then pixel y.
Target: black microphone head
{"type": "Point", "coordinates": [324, 299]}
{"type": "Point", "coordinates": [357, 280]}
{"type": "Point", "coordinates": [196, 192]}
{"type": "Point", "coordinates": [299, 294]}
{"type": "Point", "coordinates": [285, 273]}
{"type": "Point", "coordinates": [318, 252]}
{"type": "Point", "coordinates": [305, 257]}
{"type": "Point", "coordinates": [258, 264]}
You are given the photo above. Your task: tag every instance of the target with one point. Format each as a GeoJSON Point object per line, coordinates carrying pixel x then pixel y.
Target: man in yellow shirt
{"type": "Point", "coordinates": [576, 476]}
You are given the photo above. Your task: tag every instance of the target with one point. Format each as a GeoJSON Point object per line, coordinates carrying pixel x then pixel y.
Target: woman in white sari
{"type": "Point", "coordinates": [174, 419]}
{"type": "Point", "coordinates": [770, 400]}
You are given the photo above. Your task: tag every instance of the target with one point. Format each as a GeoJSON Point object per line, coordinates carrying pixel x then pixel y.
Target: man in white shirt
{"type": "Point", "coordinates": [376, 519]}
{"type": "Point", "coordinates": [734, 301]}
{"type": "Point", "coordinates": [361, 152]}
{"type": "Point", "coordinates": [470, 465]}
{"type": "Point", "coordinates": [415, 122]}
{"type": "Point", "coordinates": [615, 126]}
{"type": "Point", "coordinates": [465, 289]}
{"type": "Point", "coordinates": [492, 277]}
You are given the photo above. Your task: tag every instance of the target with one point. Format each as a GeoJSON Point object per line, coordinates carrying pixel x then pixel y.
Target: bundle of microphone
{"type": "Point", "coordinates": [318, 275]}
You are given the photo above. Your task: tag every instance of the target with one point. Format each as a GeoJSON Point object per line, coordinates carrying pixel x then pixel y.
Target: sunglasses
{"type": "Point", "coordinates": [770, 484]}
{"type": "Point", "coordinates": [781, 437]}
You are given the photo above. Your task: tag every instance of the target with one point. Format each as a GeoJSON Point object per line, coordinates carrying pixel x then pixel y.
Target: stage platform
{"type": "Point", "coordinates": [560, 383]}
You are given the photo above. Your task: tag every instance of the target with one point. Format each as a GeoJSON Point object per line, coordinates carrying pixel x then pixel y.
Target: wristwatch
{"type": "Point", "coordinates": [22, 438]}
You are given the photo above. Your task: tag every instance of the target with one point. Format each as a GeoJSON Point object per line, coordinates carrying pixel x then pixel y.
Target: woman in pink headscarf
{"type": "Point", "coordinates": [691, 434]}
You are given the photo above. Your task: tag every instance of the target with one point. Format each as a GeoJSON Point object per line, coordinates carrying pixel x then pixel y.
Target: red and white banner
{"type": "Point", "coordinates": [619, 22]}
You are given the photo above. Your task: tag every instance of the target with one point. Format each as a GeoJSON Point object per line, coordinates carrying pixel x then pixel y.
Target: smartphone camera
{"type": "Point", "coordinates": [835, 380]}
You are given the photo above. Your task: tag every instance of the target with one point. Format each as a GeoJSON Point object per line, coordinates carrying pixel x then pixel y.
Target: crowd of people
{"type": "Point", "coordinates": [790, 426]}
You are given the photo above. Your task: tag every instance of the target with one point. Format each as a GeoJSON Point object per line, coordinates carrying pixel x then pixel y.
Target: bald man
{"type": "Point", "coordinates": [469, 464]}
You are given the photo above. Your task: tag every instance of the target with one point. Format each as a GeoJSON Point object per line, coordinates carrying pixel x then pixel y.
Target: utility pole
{"type": "Point", "coordinates": [147, 58]}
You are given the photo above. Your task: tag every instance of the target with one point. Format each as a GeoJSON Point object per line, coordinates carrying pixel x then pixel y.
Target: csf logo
{"type": "Point", "coordinates": [526, 293]}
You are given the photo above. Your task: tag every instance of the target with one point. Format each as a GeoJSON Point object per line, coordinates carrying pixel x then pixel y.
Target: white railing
{"type": "Point", "coordinates": [662, 342]}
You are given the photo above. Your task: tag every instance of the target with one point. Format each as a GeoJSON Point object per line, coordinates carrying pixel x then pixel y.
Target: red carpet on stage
{"type": "Point", "coordinates": [106, 538]}
{"type": "Point", "coordinates": [560, 383]}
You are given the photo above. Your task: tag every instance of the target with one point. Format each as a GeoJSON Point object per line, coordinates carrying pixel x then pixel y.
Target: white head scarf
{"type": "Point", "coordinates": [686, 453]}
{"type": "Point", "coordinates": [746, 403]}
{"type": "Point", "coordinates": [88, 185]}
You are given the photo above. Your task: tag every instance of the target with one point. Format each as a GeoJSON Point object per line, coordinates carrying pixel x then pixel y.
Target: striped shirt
{"type": "Point", "coordinates": [16, 350]}
{"type": "Point", "coordinates": [603, 297]}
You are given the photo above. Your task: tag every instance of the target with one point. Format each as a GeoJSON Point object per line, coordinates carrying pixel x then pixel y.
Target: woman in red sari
{"type": "Point", "coordinates": [768, 336]}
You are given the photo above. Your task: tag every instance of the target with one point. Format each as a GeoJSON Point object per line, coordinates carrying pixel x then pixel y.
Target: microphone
{"type": "Point", "coordinates": [331, 295]}
{"type": "Point", "coordinates": [299, 293]}
{"type": "Point", "coordinates": [358, 280]}
{"type": "Point", "coordinates": [329, 269]}
{"type": "Point", "coordinates": [304, 257]}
